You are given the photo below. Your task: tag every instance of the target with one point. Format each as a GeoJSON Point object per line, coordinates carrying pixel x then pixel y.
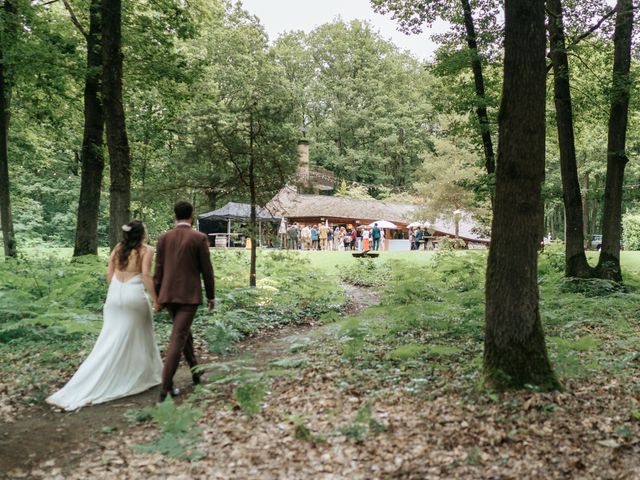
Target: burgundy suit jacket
{"type": "Point", "coordinates": [182, 256]}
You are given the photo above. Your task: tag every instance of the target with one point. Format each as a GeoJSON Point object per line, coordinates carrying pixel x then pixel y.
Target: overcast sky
{"type": "Point", "coordinates": [280, 16]}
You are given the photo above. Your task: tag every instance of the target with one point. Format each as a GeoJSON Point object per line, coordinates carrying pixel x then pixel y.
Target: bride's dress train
{"type": "Point", "coordinates": [125, 359]}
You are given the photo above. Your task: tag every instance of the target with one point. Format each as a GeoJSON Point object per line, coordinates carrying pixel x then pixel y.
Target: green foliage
{"type": "Point", "coordinates": [179, 433]}
{"type": "Point", "coordinates": [591, 287]}
{"type": "Point", "coordinates": [353, 333]}
{"type": "Point", "coordinates": [362, 425]}
{"type": "Point", "coordinates": [367, 272]}
{"type": "Point", "coordinates": [552, 260]}
{"type": "Point", "coordinates": [631, 230]}
{"type": "Point", "coordinates": [448, 243]}
{"type": "Point", "coordinates": [407, 352]}
{"type": "Point", "coordinates": [289, 292]}
{"type": "Point", "coordinates": [249, 397]}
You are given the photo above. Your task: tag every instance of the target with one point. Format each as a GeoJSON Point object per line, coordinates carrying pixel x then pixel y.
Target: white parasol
{"type": "Point", "coordinates": [383, 224]}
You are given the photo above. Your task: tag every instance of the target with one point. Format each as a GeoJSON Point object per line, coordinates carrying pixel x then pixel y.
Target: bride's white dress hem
{"type": "Point", "coordinates": [125, 359]}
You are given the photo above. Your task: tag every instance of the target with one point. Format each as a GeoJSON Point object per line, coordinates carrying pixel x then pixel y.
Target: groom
{"type": "Point", "coordinates": [182, 255]}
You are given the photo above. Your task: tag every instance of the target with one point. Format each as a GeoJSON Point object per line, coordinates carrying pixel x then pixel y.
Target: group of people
{"type": "Point", "coordinates": [125, 359]}
{"type": "Point", "coordinates": [418, 236]}
{"type": "Point", "coordinates": [338, 238]}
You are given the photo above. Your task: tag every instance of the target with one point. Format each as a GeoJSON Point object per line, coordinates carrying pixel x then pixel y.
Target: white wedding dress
{"type": "Point", "coordinates": [125, 359]}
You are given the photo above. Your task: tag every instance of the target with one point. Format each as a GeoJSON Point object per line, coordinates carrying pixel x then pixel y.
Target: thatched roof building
{"type": "Point", "coordinates": [305, 208]}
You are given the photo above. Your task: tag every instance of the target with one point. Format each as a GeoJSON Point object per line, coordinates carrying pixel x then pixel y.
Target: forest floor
{"type": "Point", "coordinates": [44, 442]}
{"type": "Point", "coordinates": [386, 387]}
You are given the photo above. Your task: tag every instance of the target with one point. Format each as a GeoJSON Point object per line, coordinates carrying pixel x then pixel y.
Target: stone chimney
{"type": "Point", "coordinates": [302, 172]}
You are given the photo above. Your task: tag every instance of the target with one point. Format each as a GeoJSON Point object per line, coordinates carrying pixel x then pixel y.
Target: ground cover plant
{"type": "Point", "coordinates": [51, 312]}
{"type": "Point", "coordinates": [393, 390]}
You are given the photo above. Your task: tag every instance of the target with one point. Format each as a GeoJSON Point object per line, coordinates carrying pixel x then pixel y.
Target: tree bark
{"type": "Point", "coordinates": [6, 218]}
{"type": "Point", "coordinates": [609, 262]}
{"type": "Point", "coordinates": [117, 141]}
{"type": "Point", "coordinates": [585, 210]}
{"type": "Point", "coordinates": [515, 354]}
{"type": "Point", "coordinates": [92, 142]}
{"type": "Point", "coordinates": [595, 207]}
{"type": "Point", "coordinates": [253, 216]}
{"type": "Point", "coordinates": [212, 197]}
{"type": "Point", "coordinates": [576, 264]}
{"type": "Point", "coordinates": [481, 101]}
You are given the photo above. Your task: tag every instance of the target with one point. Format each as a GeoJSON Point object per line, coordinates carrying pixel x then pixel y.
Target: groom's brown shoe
{"type": "Point", "coordinates": [174, 392]}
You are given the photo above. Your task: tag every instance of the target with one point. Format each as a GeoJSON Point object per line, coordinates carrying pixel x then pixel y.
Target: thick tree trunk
{"type": "Point", "coordinates": [92, 141]}
{"type": "Point", "coordinates": [6, 219]}
{"type": "Point", "coordinates": [515, 354]}
{"type": "Point", "coordinates": [609, 261]}
{"type": "Point", "coordinates": [117, 141]}
{"type": "Point", "coordinates": [481, 101]}
{"type": "Point", "coordinates": [576, 264]}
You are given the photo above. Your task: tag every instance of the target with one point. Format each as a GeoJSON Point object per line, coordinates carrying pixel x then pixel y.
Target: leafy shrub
{"type": "Point", "coordinates": [552, 259]}
{"type": "Point", "coordinates": [448, 243]}
{"type": "Point", "coordinates": [591, 287]}
{"type": "Point", "coordinates": [631, 230]}
{"type": "Point", "coordinates": [249, 397]}
{"type": "Point", "coordinates": [461, 272]}
{"type": "Point", "coordinates": [179, 433]}
{"type": "Point", "coordinates": [367, 272]}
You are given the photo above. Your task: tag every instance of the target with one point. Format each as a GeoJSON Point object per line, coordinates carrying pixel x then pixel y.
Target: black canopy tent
{"type": "Point", "coordinates": [211, 222]}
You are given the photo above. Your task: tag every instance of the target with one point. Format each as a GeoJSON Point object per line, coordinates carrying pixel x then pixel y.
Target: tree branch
{"type": "Point", "coordinates": [74, 19]}
{"type": "Point", "coordinates": [595, 27]}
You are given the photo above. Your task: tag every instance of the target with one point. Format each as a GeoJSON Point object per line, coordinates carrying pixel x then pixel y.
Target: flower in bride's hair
{"type": "Point", "coordinates": [126, 228]}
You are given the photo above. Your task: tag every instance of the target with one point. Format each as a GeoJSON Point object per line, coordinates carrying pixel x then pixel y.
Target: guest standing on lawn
{"type": "Point", "coordinates": [365, 239]}
{"type": "Point", "coordinates": [418, 238]}
{"type": "Point", "coordinates": [375, 235]}
{"type": "Point", "coordinates": [315, 237]}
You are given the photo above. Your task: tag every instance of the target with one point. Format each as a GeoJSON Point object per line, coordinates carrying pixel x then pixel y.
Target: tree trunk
{"type": "Point", "coordinates": [92, 154]}
{"type": "Point", "coordinates": [585, 210]}
{"type": "Point", "coordinates": [594, 207]}
{"type": "Point", "coordinates": [212, 197]}
{"type": "Point", "coordinates": [481, 101]}
{"type": "Point", "coordinates": [609, 262]}
{"type": "Point", "coordinates": [9, 30]}
{"type": "Point", "coordinates": [576, 264]}
{"type": "Point", "coordinates": [117, 141]}
{"type": "Point", "coordinates": [253, 217]}
{"type": "Point", "coordinates": [515, 354]}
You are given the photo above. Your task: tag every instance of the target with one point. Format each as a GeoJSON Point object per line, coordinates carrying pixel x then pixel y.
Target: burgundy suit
{"type": "Point", "coordinates": [182, 257]}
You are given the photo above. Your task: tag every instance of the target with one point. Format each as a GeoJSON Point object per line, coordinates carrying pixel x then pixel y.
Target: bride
{"type": "Point", "coordinates": [125, 359]}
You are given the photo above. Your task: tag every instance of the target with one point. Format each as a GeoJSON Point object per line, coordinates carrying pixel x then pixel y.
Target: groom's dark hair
{"type": "Point", "coordinates": [183, 210]}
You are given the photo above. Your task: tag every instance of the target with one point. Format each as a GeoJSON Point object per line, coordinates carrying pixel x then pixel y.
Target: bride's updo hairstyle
{"type": "Point", "coordinates": [132, 239]}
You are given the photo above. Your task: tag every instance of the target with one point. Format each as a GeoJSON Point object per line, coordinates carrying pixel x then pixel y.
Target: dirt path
{"type": "Point", "coordinates": [46, 437]}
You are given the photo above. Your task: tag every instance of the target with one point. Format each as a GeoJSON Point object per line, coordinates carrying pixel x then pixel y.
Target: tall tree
{"type": "Point", "coordinates": [117, 140]}
{"type": "Point", "coordinates": [246, 118]}
{"type": "Point", "coordinates": [576, 264]}
{"type": "Point", "coordinates": [365, 109]}
{"type": "Point", "coordinates": [412, 15]}
{"type": "Point", "coordinates": [8, 31]}
{"type": "Point", "coordinates": [91, 156]}
{"type": "Point", "coordinates": [609, 261]}
{"type": "Point", "coordinates": [515, 353]}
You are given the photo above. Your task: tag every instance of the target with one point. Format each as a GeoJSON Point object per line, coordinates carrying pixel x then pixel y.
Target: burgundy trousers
{"type": "Point", "coordinates": [181, 341]}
